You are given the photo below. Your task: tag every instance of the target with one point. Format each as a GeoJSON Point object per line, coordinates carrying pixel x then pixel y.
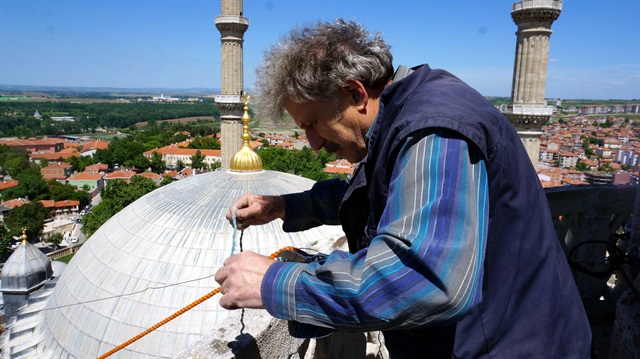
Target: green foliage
{"type": "Point", "coordinates": [78, 164]}
{"type": "Point", "coordinates": [55, 239]}
{"type": "Point", "coordinates": [17, 119]}
{"type": "Point", "coordinates": [60, 192]}
{"type": "Point", "coordinates": [197, 161]}
{"type": "Point", "coordinates": [5, 240]}
{"type": "Point", "coordinates": [179, 165]}
{"type": "Point", "coordinates": [139, 161]}
{"type": "Point", "coordinates": [302, 162]}
{"type": "Point", "coordinates": [166, 180]}
{"type": "Point", "coordinates": [606, 124]}
{"type": "Point", "coordinates": [115, 197]}
{"type": "Point", "coordinates": [605, 167]}
{"type": "Point", "coordinates": [120, 193]}
{"type": "Point", "coordinates": [156, 163]}
{"type": "Point", "coordinates": [31, 216]}
{"type": "Point", "coordinates": [204, 143]}
{"type": "Point", "coordinates": [581, 166]}
{"type": "Point", "coordinates": [215, 165]}
{"type": "Point", "coordinates": [585, 146]}
{"type": "Point", "coordinates": [30, 185]}
{"type": "Point", "coordinates": [14, 160]}
{"type": "Point", "coordinates": [125, 151]}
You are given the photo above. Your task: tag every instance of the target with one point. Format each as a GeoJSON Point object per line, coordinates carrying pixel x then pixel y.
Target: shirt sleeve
{"type": "Point", "coordinates": [314, 207]}
{"type": "Point", "coordinates": [425, 264]}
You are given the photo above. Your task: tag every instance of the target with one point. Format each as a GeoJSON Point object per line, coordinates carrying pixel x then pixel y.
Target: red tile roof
{"type": "Point", "coordinates": [8, 184]}
{"type": "Point", "coordinates": [15, 202]}
{"type": "Point", "coordinates": [86, 176]}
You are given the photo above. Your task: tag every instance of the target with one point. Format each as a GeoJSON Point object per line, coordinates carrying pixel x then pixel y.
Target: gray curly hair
{"type": "Point", "coordinates": [314, 62]}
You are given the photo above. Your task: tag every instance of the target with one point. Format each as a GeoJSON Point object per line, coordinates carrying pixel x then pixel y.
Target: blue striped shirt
{"type": "Point", "coordinates": [425, 265]}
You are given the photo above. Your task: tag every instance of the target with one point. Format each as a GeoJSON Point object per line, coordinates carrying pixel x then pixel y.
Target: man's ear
{"type": "Point", "coordinates": [357, 92]}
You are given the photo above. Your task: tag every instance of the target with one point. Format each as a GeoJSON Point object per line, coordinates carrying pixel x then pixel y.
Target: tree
{"type": "Point", "coordinates": [78, 164]}
{"type": "Point", "coordinates": [5, 240]}
{"type": "Point", "coordinates": [120, 193]}
{"type": "Point", "coordinates": [15, 164]}
{"type": "Point", "coordinates": [605, 167]}
{"type": "Point", "coordinates": [156, 163]}
{"type": "Point", "coordinates": [30, 216]}
{"type": "Point", "coordinates": [197, 161]}
{"type": "Point", "coordinates": [115, 197]}
{"type": "Point", "coordinates": [166, 180]}
{"type": "Point", "coordinates": [139, 161]}
{"type": "Point", "coordinates": [204, 143]}
{"type": "Point", "coordinates": [121, 151]}
{"type": "Point", "coordinates": [30, 185]}
{"type": "Point", "coordinates": [581, 166]}
{"type": "Point", "coordinates": [55, 239]}
{"type": "Point", "coordinates": [303, 162]}
{"type": "Point", "coordinates": [179, 165]}
{"type": "Point", "coordinates": [215, 165]}
{"type": "Point", "coordinates": [59, 191]}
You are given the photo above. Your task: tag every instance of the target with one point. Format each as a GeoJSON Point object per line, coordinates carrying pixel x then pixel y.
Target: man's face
{"type": "Point", "coordinates": [339, 131]}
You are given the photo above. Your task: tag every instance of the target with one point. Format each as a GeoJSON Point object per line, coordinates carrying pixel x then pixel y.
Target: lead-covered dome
{"type": "Point", "coordinates": [154, 257]}
{"type": "Point", "coordinates": [26, 269]}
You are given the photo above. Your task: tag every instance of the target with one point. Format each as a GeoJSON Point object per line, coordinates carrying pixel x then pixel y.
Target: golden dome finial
{"type": "Point", "coordinates": [24, 236]}
{"type": "Point", "coordinates": [246, 159]}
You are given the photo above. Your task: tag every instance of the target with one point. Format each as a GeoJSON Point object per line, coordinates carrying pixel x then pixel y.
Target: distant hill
{"type": "Point", "coordinates": [74, 91]}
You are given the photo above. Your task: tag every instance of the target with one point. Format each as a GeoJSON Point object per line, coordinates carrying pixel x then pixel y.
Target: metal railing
{"type": "Point", "coordinates": [585, 217]}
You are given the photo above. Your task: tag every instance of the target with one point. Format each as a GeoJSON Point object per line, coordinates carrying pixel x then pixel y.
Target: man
{"type": "Point", "coordinates": [453, 252]}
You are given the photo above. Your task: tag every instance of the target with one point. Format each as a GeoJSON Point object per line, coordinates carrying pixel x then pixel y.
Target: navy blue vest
{"type": "Point", "coordinates": [530, 306]}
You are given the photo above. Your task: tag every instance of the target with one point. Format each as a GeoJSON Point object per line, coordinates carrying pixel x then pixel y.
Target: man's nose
{"type": "Point", "coordinates": [315, 140]}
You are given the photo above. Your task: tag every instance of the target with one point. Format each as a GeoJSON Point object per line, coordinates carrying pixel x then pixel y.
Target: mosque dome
{"type": "Point", "coordinates": [26, 269]}
{"type": "Point", "coordinates": [154, 257]}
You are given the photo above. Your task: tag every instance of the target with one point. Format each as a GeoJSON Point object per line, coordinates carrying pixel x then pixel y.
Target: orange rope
{"type": "Point", "coordinates": [174, 315]}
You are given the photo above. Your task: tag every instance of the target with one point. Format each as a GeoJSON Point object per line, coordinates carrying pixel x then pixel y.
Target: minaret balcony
{"type": "Point", "coordinates": [535, 4]}
{"type": "Point", "coordinates": [531, 110]}
{"type": "Point", "coordinates": [232, 22]}
{"type": "Point", "coordinates": [228, 99]}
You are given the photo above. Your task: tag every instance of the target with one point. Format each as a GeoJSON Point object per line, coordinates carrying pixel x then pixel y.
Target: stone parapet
{"type": "Point", "coordinates": [254, 334]}
{"type": "Point", "coordinates": [534, 4]}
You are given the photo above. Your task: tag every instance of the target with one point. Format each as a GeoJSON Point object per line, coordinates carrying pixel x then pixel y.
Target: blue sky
{"type": "Point", "coordinates": [594, 51]}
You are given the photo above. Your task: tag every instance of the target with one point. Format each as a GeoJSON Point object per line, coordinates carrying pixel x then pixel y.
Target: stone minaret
{"type": "Point", "coordinates": [528, 111]}
{"type": "Point", "coordinates": [232, 26]}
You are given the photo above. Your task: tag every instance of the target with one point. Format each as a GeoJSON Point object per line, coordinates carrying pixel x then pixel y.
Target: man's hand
{"type": "Point", "coordinates": [240, 279]}
{"type": "Point", "coordinates": [253, 209]}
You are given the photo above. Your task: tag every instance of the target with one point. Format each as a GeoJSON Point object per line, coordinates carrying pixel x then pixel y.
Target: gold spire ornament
{"type": "Point", "coordinates": [24, 236]}
{"type": "Point", "coordinates": [246, 160]}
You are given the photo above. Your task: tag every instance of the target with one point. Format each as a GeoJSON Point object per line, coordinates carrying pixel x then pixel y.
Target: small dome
{"type": "Point", "coordinates": [26, 269]}
{"type": "Point", "coordinates": [246, 160]}
{"type": "Point", "coordinates": [58, 267]}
